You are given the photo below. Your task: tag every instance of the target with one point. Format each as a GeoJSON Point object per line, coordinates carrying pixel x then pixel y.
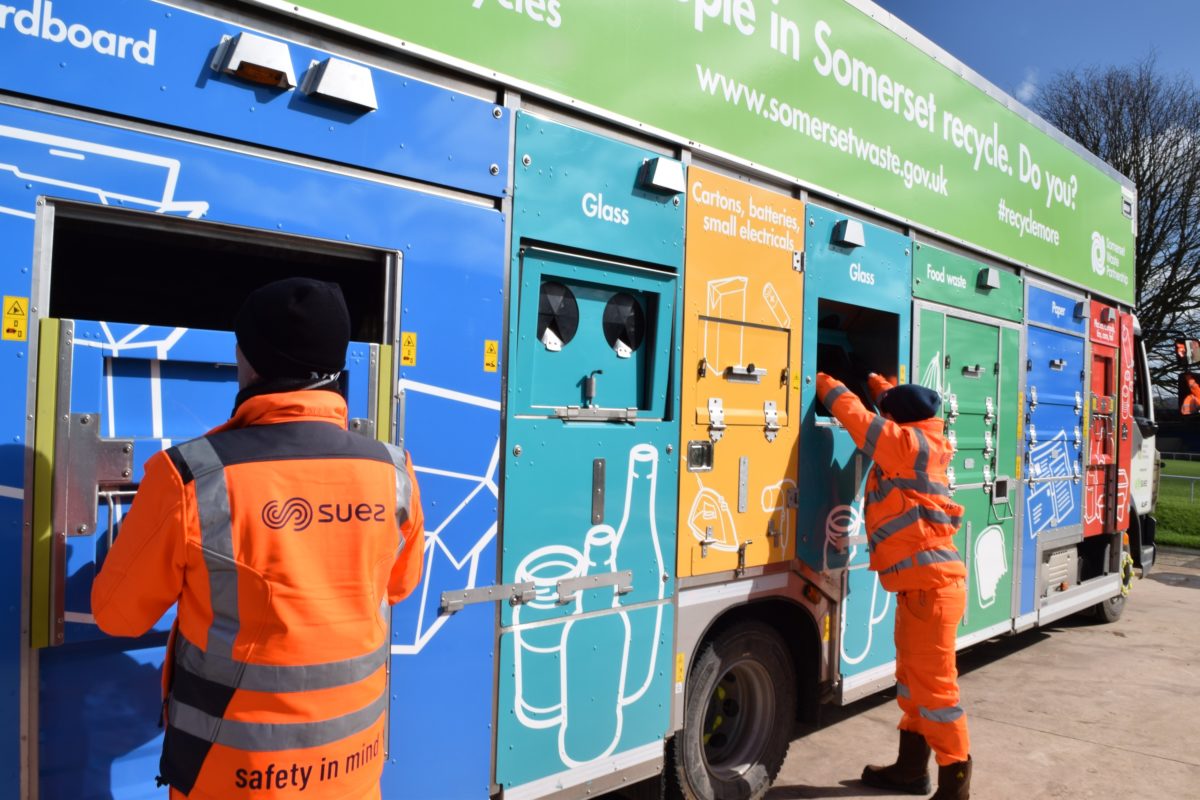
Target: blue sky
{"type": "Point", "coordinates": [1019, 45]}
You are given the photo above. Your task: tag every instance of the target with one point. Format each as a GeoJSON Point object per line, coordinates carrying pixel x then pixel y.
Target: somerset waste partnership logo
{"type": "Point", "coordinates": [1099, 250]}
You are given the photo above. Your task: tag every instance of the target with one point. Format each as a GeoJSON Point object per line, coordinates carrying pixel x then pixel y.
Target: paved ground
{"type": "Point", "coordinates": [1078, 710]}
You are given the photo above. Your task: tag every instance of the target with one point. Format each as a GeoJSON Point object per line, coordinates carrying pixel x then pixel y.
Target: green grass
{"type": "Point", "coordinates": [1178, 517]}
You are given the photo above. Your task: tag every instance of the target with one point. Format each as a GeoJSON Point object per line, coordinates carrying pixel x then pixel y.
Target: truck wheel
{"type": "Point", "coordinates": [1112, 608]}
{"type": "Point", "coordinates": [738, 717]}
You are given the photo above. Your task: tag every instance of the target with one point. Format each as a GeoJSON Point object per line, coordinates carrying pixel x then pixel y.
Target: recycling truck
{"type": "Point", "coordinates": [594, 254]}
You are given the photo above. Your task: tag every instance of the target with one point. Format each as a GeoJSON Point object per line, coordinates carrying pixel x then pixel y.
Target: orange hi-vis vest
{"type": "Point", "coordinates": [284, 538]}
{"type": "Point", "coordinates": [910, 517]}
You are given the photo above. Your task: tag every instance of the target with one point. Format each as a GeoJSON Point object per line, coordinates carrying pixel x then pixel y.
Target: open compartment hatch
{"type": "Point", "coordinates": [128, 266]}
{"type": "Point", "coordinates": [853, 341]}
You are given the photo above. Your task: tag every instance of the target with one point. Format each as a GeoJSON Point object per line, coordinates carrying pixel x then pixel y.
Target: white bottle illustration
{"type": "Point", "coordinates": [580, 676]}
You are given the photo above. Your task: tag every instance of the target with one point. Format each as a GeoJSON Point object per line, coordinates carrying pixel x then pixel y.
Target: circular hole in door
{"type": "Point", "coordinates": [624, 323]}
{"type": "Point", "coordinates": [558, 315]}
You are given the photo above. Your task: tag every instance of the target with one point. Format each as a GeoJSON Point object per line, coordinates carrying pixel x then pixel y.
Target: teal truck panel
{"type": "Point", "coordinates": [590, 488]}
{"type": "Point", "coordinates": [857, 316]}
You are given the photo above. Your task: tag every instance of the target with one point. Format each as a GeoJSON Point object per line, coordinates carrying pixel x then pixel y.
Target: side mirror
{"type": "Point", "coordinates": [1187, 351]}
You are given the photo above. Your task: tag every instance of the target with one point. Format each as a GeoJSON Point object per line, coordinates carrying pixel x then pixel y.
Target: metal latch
{"type": "Point", "coordinates": [706, 541]}
{"type": "Point", "coordinates": [595, 414]}
{"type": "Point", "coordinates": [746, 374]}
{"type": "Point", "coordinates": [716, 419]}
{"type": "Point", "coordinates": [741, 565]}
{"type": "Point", "coordinates": [952, 407]}
{"type": "Point", "coordinates": [989, 411]}
{"type": "Point", "coordinates": [950, 479]}
{"type": "Point", "coordinates": [1075, 471]}
{"type": "Point", "coordinates": [973, 371]}
{"type": "Point", "coordinates": [567, 587]}
{"type": "Point", "coordinates": [987, 444]}
{"type": "Point", "coordinates": [514, 593]}
{"type": "Point", "coordinates": [987, 476]}
{"type": "Point", "coordinates": [1078, 402]}
{"type": "Point", "coordinates": [1032, 397]}
{"type": "Point", "coordinates": [771, 417]}
{"type": "Point", "coordinates": [1033, 434]}
{"type": "Point", "coordinates": [952, 438]}
{"type": "Point", "coordinates": [90, 464]}
{"type": "Point", "coordinates": [1078, 439]}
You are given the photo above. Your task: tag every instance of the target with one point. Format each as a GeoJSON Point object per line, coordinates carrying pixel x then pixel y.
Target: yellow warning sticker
{"type": "Point", "coordinates": [16, 318]}
{"type": "Point", "coordinates": [679, 667]}
{"type": "Point", "coordinates": [408, 349]}
{"type": "Point", "coordinates": [903, 373]}
{"type": "Point", "coordinates": [491, 355]}
{"type": "Point", "coordinates": [796, 381]}
{"type": "Point", "coordinates": [825, 633]}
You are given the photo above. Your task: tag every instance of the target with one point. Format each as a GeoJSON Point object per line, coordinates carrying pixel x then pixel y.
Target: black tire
{"type": "Point", "coordinates": [1111, 609]}
{"type": "Point", "coordinates": [738, 717]}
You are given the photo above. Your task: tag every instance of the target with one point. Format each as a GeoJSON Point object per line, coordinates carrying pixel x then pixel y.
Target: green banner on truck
{"type": "Point", "coordinates": [824, 91]}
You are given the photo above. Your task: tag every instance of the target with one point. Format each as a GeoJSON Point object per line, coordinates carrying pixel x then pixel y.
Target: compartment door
{"type": "Point", "coordinates": [971, 394]}
{"type": "Point", "coordinates": [1100, 482]}
{"type": "Point", "coordinates": [110, 396]}
{"type": "Point", "coordinates": [1053, 431]}
{"type": "Point", "coordinates": [742, 311]}
{"type": "Point", "coordinates": [588, 518]}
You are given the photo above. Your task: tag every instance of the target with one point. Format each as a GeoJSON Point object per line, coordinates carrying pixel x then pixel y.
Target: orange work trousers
{"type": "Point", "coordinates": [926, 669]}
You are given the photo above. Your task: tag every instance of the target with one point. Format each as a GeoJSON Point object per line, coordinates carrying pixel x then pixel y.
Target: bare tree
{"type": "Point", "coordinates": [1147, 126]}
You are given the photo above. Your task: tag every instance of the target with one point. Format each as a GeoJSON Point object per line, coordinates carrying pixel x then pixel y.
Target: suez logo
{"type": "Point", "coordinates": [594, 207]}
{"type": "Point", "coordinates": [39, 21]}
{"type": "Point", "coordinates": [860, 275]}
{"type": "Point", "coordinates": [297, 513]}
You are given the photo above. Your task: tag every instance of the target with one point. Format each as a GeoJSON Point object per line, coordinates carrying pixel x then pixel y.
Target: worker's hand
{"type": "Point", "coordinates": [824, 384]}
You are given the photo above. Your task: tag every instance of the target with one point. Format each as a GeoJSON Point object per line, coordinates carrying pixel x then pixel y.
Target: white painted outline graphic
{"type": "Point", "coordinates": [77, 151]}
{"type": "Point", "coordinates": [539, 705]}
{"type": "Point", "coordinates": [990, 563]}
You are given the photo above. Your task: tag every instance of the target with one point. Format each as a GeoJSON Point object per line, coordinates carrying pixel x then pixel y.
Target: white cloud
{"type": "Point", "coordinates": [1029, 87]}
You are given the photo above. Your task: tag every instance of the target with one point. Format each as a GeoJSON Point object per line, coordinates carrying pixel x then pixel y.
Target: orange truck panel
{"type": "Point", "coordinates": [743, 300]}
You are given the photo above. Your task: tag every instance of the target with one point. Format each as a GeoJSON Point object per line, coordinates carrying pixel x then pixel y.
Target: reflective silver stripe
{"type": "Point", "coordinates": [947, 714]}
{"type": "Point", "coordinates": [268, 737]}
{"type": "Point", "coordinates": [276, 679]}
{"type": "Point", "coordinates": [922, 559]}
{"type": "Point", "coordinates": [216, 540]}
{"type": "Point", "coordinates": [895, 524]}
{"type": "Point", "coordinates": [902, 691]}
{"type": "Point", "coordinates": [403, 486]}
{"type": "Point", "coordinates": [872, 438]}
{"type": "Point", "coordinates": [833, 395]}
{"type": "Point", "coordinates": [918, 484]}
{"type": "Point", "coordinates": [922, 462]}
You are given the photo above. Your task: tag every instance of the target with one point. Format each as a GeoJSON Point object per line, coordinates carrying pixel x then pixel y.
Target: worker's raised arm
{"type": "Point", "coordinates": [143, 574]}
{"type": "Point", "coordinates": [406, 571]}
{"type": "Point", "coordinates": [868, 429]}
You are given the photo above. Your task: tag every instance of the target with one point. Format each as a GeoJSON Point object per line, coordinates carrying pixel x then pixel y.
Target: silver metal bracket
{"type": "Point", "coordinates": [567, 587]}
{"type": "Point", "coordinates": [716, 419]}
{"type": "Point", "coordinates": [952, 438]}
{"type": "Point", "coordinates": [1078, 438]}
{"type": "Point", "coordinates": [514, 593]}
{"type": "Point", "coordinates": [741, 565]}
{"type": "Point", "coordinates": [952, 407]}
{"type": "Point", "coordinates": [595, 414]}
{"type": "Point", "coordinates": [1078, 402]}
{"type": "Point", "coordinates": [364, 426]}
{"type": "Point", "coordinates": [798, 260]}
{"type": "Point", "coordinates": [989, 411]}
{"type": "Point", "coordinates": [1033, 401]}
{"type": "Point", "coordinates": [91, 464]}
{"type": "Point", "coordinates": [706, 541]}
{"type": "Point", "coordinates": [988, 450]}
{"type": "Point", "coordinates": [746, 374]}
{"type": "Point", "coordinates": [771, 419]}
{"type": "Point", "coordinates": [1032, 434]}
{"type": "Point", "coordinates": [743, 501]}
{"type": "Point", "coordinates": [950, 479]}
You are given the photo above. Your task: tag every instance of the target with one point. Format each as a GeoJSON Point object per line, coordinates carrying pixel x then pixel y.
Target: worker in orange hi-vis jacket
{"type": "Point", "coordinates": [1190, 404]}
{"type": "Point", "coordinates": [910, 524]}
{"type": "Point", "coordinates": [283, 538]}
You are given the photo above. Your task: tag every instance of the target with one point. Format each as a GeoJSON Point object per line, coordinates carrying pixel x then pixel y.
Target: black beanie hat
{"type": "Point", "coordinates": [910, 403]}
{"type": "Point", "coordinates": [294, 328]}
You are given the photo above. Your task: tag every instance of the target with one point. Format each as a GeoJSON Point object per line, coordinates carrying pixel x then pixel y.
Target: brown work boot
{"type": "Point", "coordinates": [910, 773]}
{"type": "Point", "coordinates": [954, 781]}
